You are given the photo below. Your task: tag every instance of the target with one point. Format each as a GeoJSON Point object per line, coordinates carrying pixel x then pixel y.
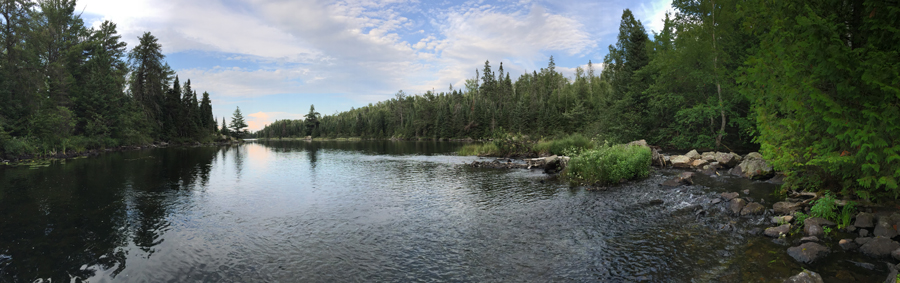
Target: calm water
{"type": "Point", "coordinates": [362, 212]}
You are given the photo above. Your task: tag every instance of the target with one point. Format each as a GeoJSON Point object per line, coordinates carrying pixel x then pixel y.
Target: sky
{"type": "Point", "coordinates": [275, 58]}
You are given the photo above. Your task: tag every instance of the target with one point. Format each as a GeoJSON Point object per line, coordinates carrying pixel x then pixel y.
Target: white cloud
{"type": "Point", "coordinates": [654, 16]}
{"type": "Point", "coordinates": [258, 120]}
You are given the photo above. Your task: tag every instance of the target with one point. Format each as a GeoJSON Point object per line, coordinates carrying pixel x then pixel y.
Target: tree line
{"type": "Point", "coordinates": [813, 84]}
{"type": "Point", "coordinates": [66, 86]}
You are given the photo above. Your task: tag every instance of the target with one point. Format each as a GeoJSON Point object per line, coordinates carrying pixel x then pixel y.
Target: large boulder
{"type": "Point", "coordinates": [699, 163]}
{"type": "Point", "coordinates": [864, 220]}
{"type": "Point", "coordinates": [693, 154]}
{"type": "Point", "coordinates": [878, 247]}
{"type": "Point", "coordinates": [756, 168]}
{"type": "Point", "coordinates": [808, 252]}
{"type": "Point", "coordinates": [776, 232]}
{"type": "Point", "coordinates": [680, 161]}
{"type": "Point", "coordinates": [737, 205]}
{"type": "Point", "coordinates": [805, 276]}
{"type": "Point", "coordinates": [753, 208]}
{"type": "Point", "coordinates": [727, 160]}
{"type": "Point", "coordinates": [885, 227]}
{"type": "Point", "coordinates": [753, 155]}
{"type": "Point", "coordinates": [730, 195]}
{"type": "Point", "coordinates": [708, 156]}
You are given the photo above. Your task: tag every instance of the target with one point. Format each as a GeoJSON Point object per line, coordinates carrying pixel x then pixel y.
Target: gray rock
{"type": "Point", "coordinates": [776, 232]}
{"type": "Point", "coordinates": [892, 276]}
{"type": "Point", "coordinates": [693, 154]}
{"type": "Point", "coordinates": [729, 196]}
{"type": "Point", "coordinates": [805, 276]}
{"type": "Point", "coordinates": [818, 221]}
{"type": "Point", "coordinates": [715, 201]}
{"type": "Point", "coordinates": [708, 171]}
{"type": "Point", "coordinates": [863, 241]}
{"type": "Point", "coordinates": [864, 220]}
{"type": "Point", "coordinates": [879, 247]}
{"type": "Point", "coordinates": [699, 163]}
{"type": "Point", "coordinates": [737, 205]}
{"type": "Point", "coordinates": [809, 239]}
{"type": "Point", "coordinates": [726, 160]}
{"type": "Point", "coordinates": [896, 254]}
{"type": "Point", "coordinates": [863, 233]}
{"type": "Point", "coordinates": [782, 219]}
{"type": "Point", "coordinates": [885, 228]}
{"type": "Point", "coordinates": [753, 155]}
{"type": "Point", "coordinates": [753, 208]}
{"type": "Point", "coordinates": [850, 229]}
{"type": "Point", "coordinates": [808, 252]}
{"type": "Point", "coordinates": [785, 208]}
{"type": "Point", "coordinates": [737, 171]}
{"type": "Point", "coordinates": [848, 245]}
{"type": "Point", "coordinates": [657, 158]}
{"type": "Point", "coordinates": [680, 161]}
{"type": "Point", "coordinates": [813, 230]}
{"type": "Point", "coordinates": [709, 156]}
{"type": "Point", "coordinates": [756, 169]}
{"type": "Point", "coordinates": [639, 143]}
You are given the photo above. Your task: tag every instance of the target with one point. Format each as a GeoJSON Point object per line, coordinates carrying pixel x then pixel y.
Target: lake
{"type": "Point", "coordinates": [370, 211]}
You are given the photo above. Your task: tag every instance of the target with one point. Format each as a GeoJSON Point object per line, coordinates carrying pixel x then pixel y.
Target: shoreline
{"type": "Point", "coordinates": [31, 159]}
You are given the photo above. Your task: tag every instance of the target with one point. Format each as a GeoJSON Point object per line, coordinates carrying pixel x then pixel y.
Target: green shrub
{"type": "Point", "coordinates": [561, 146]}
{"type": "Point", "coordinates": [609, 164]}
{"type": "Point", "coordinates": [824, 207]}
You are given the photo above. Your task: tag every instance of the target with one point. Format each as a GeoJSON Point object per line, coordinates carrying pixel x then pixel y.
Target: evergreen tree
{"type": "Point", "coordinates": [311, 120]}
{"type": "Point", "coordinates": [237, 124]}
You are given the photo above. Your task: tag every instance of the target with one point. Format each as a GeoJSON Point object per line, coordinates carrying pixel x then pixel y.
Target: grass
{"type": "Point", "coordinates": [609, 165]}
{"type": "Point", "coordinates": [522, 146]}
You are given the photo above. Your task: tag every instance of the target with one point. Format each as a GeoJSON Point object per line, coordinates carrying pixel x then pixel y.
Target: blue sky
{"type": "Point", "coordinates": [274, 58]}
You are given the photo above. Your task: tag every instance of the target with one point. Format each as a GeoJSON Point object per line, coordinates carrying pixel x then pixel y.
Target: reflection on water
{"type": "Point", "coordinates": [347, 211]}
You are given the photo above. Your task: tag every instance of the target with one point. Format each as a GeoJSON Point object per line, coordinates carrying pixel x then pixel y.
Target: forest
{"type": "Point", "coordinates": [66, 87]}
{"type": "Point", "coordinates": [813, 85]}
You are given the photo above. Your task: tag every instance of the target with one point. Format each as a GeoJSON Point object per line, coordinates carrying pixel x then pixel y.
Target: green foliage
{"type": "Point", "coordinates": [846, 214]}
{"type": "Point", "coordinates": [609, 164]}
{"type": "Point", "coordinates": [826, 93]}
{"type": "Point", "coordinates": [569, 144]}
{"type": "Point", "coordinates": [237, 124]}
{"type": "Point", "coordinates": [800, 217]}
{"type": "Point", "coordinates": [824, 207]}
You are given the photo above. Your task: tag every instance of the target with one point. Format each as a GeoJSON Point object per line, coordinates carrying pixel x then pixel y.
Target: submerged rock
{"type": "Point", "coordinates": [879, 247]}
{"type": "Point", "coordinates": [848, 245]}
{"type": "Point", "coordinates": [737, 205]}
{"type": "Point", "coordinates": [776, 232]}
{"type": "Point", "coordinates": [753, 208]}
{"type": "Point", "coordinates": [808, 252]}
{"type": "Point", "coordinates": [810, 239]}
{"type": "Point", "coordinates": [805, 276]}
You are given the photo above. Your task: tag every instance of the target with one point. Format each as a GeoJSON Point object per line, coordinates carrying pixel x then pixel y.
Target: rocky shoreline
{"type": "Point", "coordinates": [18, 160]}
{"type": "Point", "coordinates": [875, 235]}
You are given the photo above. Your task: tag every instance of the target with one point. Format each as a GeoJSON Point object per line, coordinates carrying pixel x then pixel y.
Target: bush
{"type": "Point", "coordinates": [609, 164]}
{"type": "Point", "coordinates": [560, 146]}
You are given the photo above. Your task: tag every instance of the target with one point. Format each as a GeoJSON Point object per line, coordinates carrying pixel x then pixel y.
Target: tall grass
{"type": "Point", "coordinates": [521, 146]}
{"type": "Point", "coordinates": [561, 146]}
{"type": "Point", "coordinates": [609, 164]}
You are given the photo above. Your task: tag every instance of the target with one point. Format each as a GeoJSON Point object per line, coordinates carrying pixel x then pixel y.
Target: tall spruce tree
{"type": "Point", "coordinates": [238, 126]}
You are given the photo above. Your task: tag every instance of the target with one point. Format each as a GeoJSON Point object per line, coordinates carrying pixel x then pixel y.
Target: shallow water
{"type": "Point", "coordinates": [298, 211]}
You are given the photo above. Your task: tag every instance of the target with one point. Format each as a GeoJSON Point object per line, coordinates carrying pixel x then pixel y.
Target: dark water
{"type": "Point", "coordinates": [369, 212]}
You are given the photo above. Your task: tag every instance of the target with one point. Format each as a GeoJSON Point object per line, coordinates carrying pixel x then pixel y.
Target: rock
{"type": "Point", "coordinates": [892, 276]}
{"type": "Point", "coordinates": [714, 165]}
{"type": "Point", "coordinates": [776, 232]}
{"type": "Point", "coordinates": [699, 163]}
{"type": "Point", "coordinates": [715, 201]}
{"type": "Point", "coordinates": [864, 220]}
{"type": "Point", "coordinates": [863, 233]}
{"type": "Point", "coordinates": [729, 196]}
{"type": "Point", "coordinates": [805, 276]}
{"type": "Point", "coordinates": [810, 239]}
{"type": "Point", "coordinates": [753, 208]}
{"type": "Point", "coordinates": [680, 161]}
{"type": "Point", "coordinates": [639, 143]}
{"type": "Point", "coordinates": [784, 208]}
{"type": "Point", "coordinates": [753, 155]}
{"type": "Point", "coordinates": [708, 156]}
{"type": "Point", "coordinates": [656, 202]}
{"type": "Point", "coordinates": [756, 169]}
{"type": "Point", "coordinates": [657, 158]}
{"type": "Point", "coordinates": [896, 254]}
{"type": "Point", "coordinates": [726, 160]}
{"type": "Point", "coordinates": [693, 154]}
{"type": "Point", "coordinates": [848, 245]}
{"type": "Point", "coordinates": [746, 192]}
{"type": "Point", "coordinates": [885, 228]}
{"type": "Point", "coordinates": [782, 219]}
{"type": "Point", "coordinates": [850, 229]}
{"type": "Point", "coordinates": [863, 241]}
{"type": "Point", "coordinates": [808, 252]}
{"type": "Point", "coordinates": [737, 205]}
{"type": "Point", "coordinates": [708, 171]}
{"type": "Point", "coordinates": [818, 221]}
{"type": "Point", "coordinates": [813, 230]}
{"type": "Point", "coordinates": [736, 171]}
{"type": "Point", "coordinates": [684, 178]}
{"type": "Point", "coordinates": [879, 247]}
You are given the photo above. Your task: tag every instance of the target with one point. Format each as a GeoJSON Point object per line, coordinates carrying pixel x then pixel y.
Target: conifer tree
{"type": "Point", "coordinates": [237, 124]}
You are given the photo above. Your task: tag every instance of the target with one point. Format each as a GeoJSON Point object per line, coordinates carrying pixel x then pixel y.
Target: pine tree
{"type": "Point", "coordinates": [237, 124]}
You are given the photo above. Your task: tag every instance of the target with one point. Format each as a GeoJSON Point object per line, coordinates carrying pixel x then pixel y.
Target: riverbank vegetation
{"type": "Point", "coordinates": [813, 85]}
{"type": "Point", "coordinates": [609, 164]}
{"type": "Point", "coordinates": [68, 87]}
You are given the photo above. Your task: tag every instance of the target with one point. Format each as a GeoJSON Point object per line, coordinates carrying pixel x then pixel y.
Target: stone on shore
{"type": "Point", "coordinates": [896, 254]}
{"type": "Point", "coordinates": [879, 247]}
{"type": "Point", "coordinates": [680, 161]}
{"type": "Point", "coordinates": [864, 220]}
{"type": "Point", "coordinates": [756, 168]}
{"type": "Point", "coordinates": [785, 208]}
{"type": "Point", "coordinates": [782, 219]}
{"type": "Point", "coordinates": [818, 221]}
{"type": "Point", "coordinates": [776, 232]}
{"type": "Point", "coordinates": [753, 208]}
{"type": "Point", "coordinates": [708, 156]}
{"type": "Point", "coordinates": [805, 276]}
{"type": "Point", "coordinates": [810, 239]}
{"type": "Point", "coordinates": [726, 160]}
{"type": "Point", "coordinates": [808, 252]}
{"type": "Point", "coordinates": [737, 205]}
{"type": "Point", "coordinates": [729, 196]}
{"type": "Point", "coordinates": [693, 154]}
{"type": "Point", "coordinates": [813, 230]}
{"type": "Point", "coordinates": [885, 227]}
{"type": "Point", "coordinates": [699, 163]}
